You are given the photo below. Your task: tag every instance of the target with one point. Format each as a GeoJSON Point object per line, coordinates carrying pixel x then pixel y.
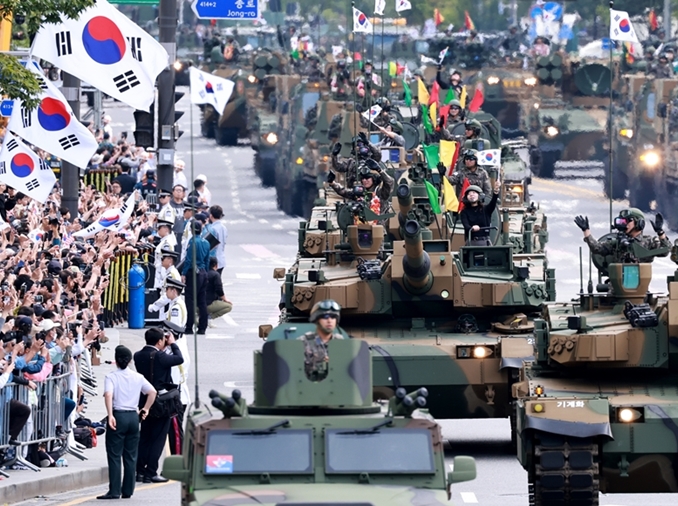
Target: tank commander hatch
{"type": "Point", "coordinates": [325, 315]}
{"type": "Point", "coordinates": [630, 224]}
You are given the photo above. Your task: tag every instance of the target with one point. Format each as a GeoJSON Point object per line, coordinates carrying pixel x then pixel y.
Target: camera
{"type": "Point", "coordinates": [39, 298]}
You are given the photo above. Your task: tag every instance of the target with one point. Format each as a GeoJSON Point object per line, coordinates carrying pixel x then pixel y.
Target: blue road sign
{"type": "Point", "coordinates": [226, 9]}
{"type": "Point", "coordinates": [6, 107]}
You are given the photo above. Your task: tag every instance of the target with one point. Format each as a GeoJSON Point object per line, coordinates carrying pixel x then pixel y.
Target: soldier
{"type": "Point", "coordinates": [326, 316]}
{"type": "Point", "coordinates": [362, 150]}
{"type": "Point", "coordinates": [368, 84]}
{"type": "Point", "coordinates": [340, 83]}
{"type": "Point", "coordinates": [454, 81]}
{"type": "Point", "coordinates": [313, 70]}
{"type": "Point", "coordinates": [476, 175]}
{"type": "Point", "coordinates": [393, 134]}
{"type": "Point", "coordinates": [473, 139]}
{"type": "Point", "coordinates": [512, 42]}
{"type": "Point", "coordinates": [231, 49]}
{"type": "Point", "coordinates": [384, 117]}
{"type": "Point", "coordinates": [454, 117]}
{"type": "Point", "coordinates": [662, 70]}
{"type": "Point", "coordinates": [375, 188]}
{"type": "Point", "coordinates": [630, 224]}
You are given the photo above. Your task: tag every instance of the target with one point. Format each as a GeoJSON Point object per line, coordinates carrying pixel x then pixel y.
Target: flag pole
{"type": "Point", "coordinates": [194, 278]}
{"type": "Point", "coordinates": [382, 50]}
{"type": "Point", "coordinates": [610, 112]}
{"type": "Point", "coordinates": [355, 89]}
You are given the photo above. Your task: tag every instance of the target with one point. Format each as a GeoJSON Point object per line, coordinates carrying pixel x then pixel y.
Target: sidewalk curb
{"type": "Point", "coordinates": [57, 484]}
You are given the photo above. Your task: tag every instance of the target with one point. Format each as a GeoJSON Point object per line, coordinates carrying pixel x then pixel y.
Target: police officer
{"type": "Point", "coordinates": [166, 212]}
{"type": "Point", "coordinates": [167, 269]}
{"type": "Point", "coordinates": [630, 223]}
{"type": "Point", "coordinates": [190, 207]}
{"type": "Point", "coordinates": [470, 170]}
{"type": "Point", "coordinates": [326, 316]}
{"type": "Point", "coordinates": [179, 377]}
{"type": "Point", "coordinates": [363, 149]}
{"type": "Point", "coordinates": [167, 241]}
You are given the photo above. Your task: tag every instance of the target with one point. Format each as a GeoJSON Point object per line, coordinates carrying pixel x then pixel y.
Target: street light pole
{"type": "Point", "coordinates": [70, 174]}
{"type": "Point", "coordinates": [167, 22]}
{"type": "Point", "coordinates": [667, 19]}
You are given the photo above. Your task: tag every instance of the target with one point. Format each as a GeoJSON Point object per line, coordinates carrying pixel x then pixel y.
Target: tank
{"type": "Point", "coordinates": [566, 117]}
{"type": "Point", "coordinates": [598, 407]}
{"type": "Point", "coordinates": [456, 320]}
{"type": "Point", "coordinates": [314, 442]}
{"type": "Point", "coordinates": [645, 131]}
{"type": "Point", "coordinates": [264, 129]}
{"type": "Point", "coordinates": [505, 89]}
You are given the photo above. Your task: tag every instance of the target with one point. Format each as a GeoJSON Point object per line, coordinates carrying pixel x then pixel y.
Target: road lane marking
{"type": "Point", "coordinates": [258, 250]}
{"type": "Point", "coordinates": [247, 275]}
{"type": "Point", "coordinates": [262, 220]}
{"type": "Point", "coordinates": [218, 336]}
{"type": "Point", "coordinates": [136, 489]}
{"type": "Point", "coordinates": [277, 226]}
{"type": "Point", "coordinates": [229, 320]}
{"type": "Point", "coordinates": [469, 497]}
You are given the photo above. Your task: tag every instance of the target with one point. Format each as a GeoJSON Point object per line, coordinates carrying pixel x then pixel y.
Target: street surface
{"type": "Point", "coordinates": [260, 238]}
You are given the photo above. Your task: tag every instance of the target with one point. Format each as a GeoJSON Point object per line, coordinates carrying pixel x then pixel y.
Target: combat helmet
{"type": "Point", "coordinates": [473, 188]}
{"type": "Point", "coordinates": [397, 126]}
{"type": "Point", "coordinates": [636, 215]}
{"type": "Point", "coordinates": [454, 103]}
{"type": "Point", "coordinates": [471, 154]}
{"type": "Point", "coordinates": [473, 125]}
{"type": "Point", "coordinates": [327, 306]}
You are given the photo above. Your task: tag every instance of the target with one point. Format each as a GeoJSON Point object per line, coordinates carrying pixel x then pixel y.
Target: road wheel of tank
{"type": "Point", "coordinates": [265, 169]}
{"type": "Point", "coordinates": [620, 182]}
{"type": "Point", "coordinates": [547, 167]}
{"type": "Point", "coordinates": [641, 192]}
{"type": "Point", "coordinates": [298, 197]}
{"type": "Point", "coordinates": [207, 129]}
{"type": "Point", "coordinates": [227, 136]}
{"type": "Point", "coordinates": [565, 471]}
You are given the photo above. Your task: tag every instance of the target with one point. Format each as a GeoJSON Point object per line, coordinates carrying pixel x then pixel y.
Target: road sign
{"type": "Point", "coordinates": [226, 9]}
{"type": "Point", "coordinates": [6, 107]}
{"type": "Point", "coordinates": [136, 2]}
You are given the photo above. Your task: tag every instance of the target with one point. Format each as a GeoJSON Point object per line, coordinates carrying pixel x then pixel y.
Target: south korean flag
{"type": "Point", "coordinates": [210, 89]}
{"type": "Point", "coordinates": [52, 125]}
{"type": "Point", "coordinates": [104, 48]}
{"type": "Point", "coordinates": [23, 170]}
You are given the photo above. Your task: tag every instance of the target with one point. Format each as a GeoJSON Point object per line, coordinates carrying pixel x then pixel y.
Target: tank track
{"type": "Point", "coordinates": [565, 471]}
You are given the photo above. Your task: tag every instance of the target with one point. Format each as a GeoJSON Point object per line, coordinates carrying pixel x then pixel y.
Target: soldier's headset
{"type": "Point", "coordinates": [640, 222]}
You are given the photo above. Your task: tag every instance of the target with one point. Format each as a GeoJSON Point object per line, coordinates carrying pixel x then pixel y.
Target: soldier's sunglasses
{"type": "Point", "coordinates": [329, 305]}
{"type": "Point", "coordinates": [327, 316]}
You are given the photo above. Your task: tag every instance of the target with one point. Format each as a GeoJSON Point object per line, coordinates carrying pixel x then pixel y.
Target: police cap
{"type": "Point", "coordinates": [164, 223]}
{"type": "Point", "coordinates": [164, 193]}
{"type": "Point", "coordinates": [175, 329]}
{"type": "Point", "coordinates": [166, 252]}
{"type": "Point", "coordinates": [174, 283]}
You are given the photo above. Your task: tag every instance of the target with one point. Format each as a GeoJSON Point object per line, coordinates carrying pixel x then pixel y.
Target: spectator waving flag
{"type": "Point", "coordinates": [360, 22]}
{"type": "Point", "coordinates": [52, 125]}
{"type": "Point", "coordinates": [621, 28]}
{"type": "Point", "coordinates": [403, 5]}
{"type": "Point", "coordinates": [379, 6]}
{"type": "Point", "coordinates": [111, 219]}
{"type": "Point", "coordinates": [104, 48]}
{"type": "Point", "coordinates": [209, 89]}
{"type": "Point", "coordinates": [23, 170]}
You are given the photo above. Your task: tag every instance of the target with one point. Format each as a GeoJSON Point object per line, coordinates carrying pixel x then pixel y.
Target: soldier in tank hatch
{"type": "Point", "coordinates": [326, 316]}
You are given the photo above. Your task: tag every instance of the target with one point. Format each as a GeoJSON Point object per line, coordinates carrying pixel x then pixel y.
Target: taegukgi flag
{"type": "Point", "coordinates": [104, 48]}
{"type": "Point", "coordinates": [491, 157]}
{"type": "Point", "coordinates": [111, 219]}
{"type": "Point", "coordinates": [621, 28]}
{"type": "Point", "coordinates": [23, 170]}
{"type": "Point", "coordinates": [52, 125]}
{"type": "Point", "coordinates": [210, 89]}
{"type": "Point", "coordinates": [379, 6]}
{"type": "Point", "coordinates": [372, 113]}
{"type": "Point", "coordinates": [361, 23]}
{"type": "Point", "coordinates": [402, 5]}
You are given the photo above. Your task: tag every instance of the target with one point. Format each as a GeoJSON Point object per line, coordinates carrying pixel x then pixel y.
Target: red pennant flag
{"type": "Point", "coordinates": [435, 92]}
{"type": "Point", "coordinates": [438, 17]}
{"type": "Point", "coordinates": [444, 111]}
{"type": "Point", "coordinates": [463, 189]}
{"type": "Point", "coordinates": [399, 69]}
{"type": "Point", "coordinates": [652, 20]}
{"type": "Point", "coordinates": [468, 22]}
{"type": "Point", "coordinates": [455, 159]}
{"type": "Point", "coordinates": [478, 98]}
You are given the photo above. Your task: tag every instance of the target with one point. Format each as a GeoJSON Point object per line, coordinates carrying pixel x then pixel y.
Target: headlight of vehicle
{"type": "Point", "coordinates": [493, 80]}
{"type": "Point", "coordinates": [300, 161]}
{"type": "Point", "coordinates": [630, 415]}
{"type": "Point", "coordinates": [530, 81]}
{"type": "Point", "coordinates": [626, 132]}
{"type": "Point", "coordinates": [252, 79]}
{"type": "Point", "coordinates": [178, 66]}
{"type": "Point", "coordinates": [650, 158]}
{"type": "Point", "coordinates": [552, 131]}
{"type": "Point", "coordinates": [271, 137]}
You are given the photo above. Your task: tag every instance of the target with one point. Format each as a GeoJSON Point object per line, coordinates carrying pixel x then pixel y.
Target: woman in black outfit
{"type": "Point", "coordinates": [477, 217]}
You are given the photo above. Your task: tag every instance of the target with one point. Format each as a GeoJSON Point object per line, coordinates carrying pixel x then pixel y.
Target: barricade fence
{"type": "Point", "coordinates": [100, 178]}
{"type": "Point", "coordinates": [52, 406]}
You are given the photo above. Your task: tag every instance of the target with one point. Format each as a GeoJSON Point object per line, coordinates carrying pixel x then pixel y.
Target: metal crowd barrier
{"type": "Point", "coordinates": [100, 178]}
{"type": "Point", "coordinates": [116, 296]}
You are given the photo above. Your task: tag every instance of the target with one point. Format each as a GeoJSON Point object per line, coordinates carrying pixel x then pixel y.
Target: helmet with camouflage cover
{"type": "Point", "coordinates": [471, 154]}
{"type": "Point", "coordinates": [636, 215]}
{"type": "Point", "coordinates": [324, 307]}
{"type": "Point", "coordinates": [454, 103]}
{"type": "Point", "coordinates": [396, 126]}
{"type": "Point", "coordinates": [473, 125]}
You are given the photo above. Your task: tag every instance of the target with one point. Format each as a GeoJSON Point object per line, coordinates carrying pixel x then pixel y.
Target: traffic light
{"type": "Point", "coordinates": [177, 114]}
{"type": "Point", "coordinates": [144, 128]}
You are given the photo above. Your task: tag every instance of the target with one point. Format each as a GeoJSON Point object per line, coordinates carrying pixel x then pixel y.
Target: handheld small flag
{"type": "Point", "coordinates": [432, 155]}
{"type": "Point", "coordinates": [465, 185]}
{"type": "Point", "coordinates": [438, 18]}
{"type": "Point", "coordinates": [426, 120]}
{"type": "Point", "coordinates": [490, 157]}
{"type": "Point", "coordinates": [451, 95]}
{"type": "Point", "coordinates": [462, 99]}
{"type": "Point", "coordinates": [442, 55]}
{"type": "Point", "coordinates": [372, 113]}
{"type": "Point", "coordinates": [433, 197]}
{"type": "Point", "coordinates": [210, 89]}
{"type": "Point", "coordinates": [379, 6]}
{"type": "Point", "coordinates": [433, 114]}
{"type": "Point", "coordinates": [23, 170]}
{"type": "Point", "coordinates": [478, 98]}
{"type": "Point", "coordinates": [434, 98]}
{"type": "Point", "coordinates": [652, 20]}
{"type": "Point", "coordinates": [447, 152]}
{"type": "Point", "coordinates": [408, 93]}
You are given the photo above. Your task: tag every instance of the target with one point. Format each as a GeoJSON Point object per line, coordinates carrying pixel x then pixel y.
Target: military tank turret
{"type": "Point", "coordinates": [566, 117]}
{"type": "Point", "coordinates": [314, 442]}
{"type": "Point", "coordinates": [598, 407]}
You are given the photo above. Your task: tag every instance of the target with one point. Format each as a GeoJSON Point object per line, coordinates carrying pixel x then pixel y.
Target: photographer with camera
{"type": "Point", "coordinates": [629, 226]}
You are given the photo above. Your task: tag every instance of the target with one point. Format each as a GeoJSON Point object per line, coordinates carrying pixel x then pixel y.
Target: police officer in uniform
{"type": "Point", "coordinates": [166, 272]}
{"type": "Point", "coordinates": [470, 170]}
{"type": "Point", "coordinates": [326, 316]}
{"type": "Point", "coordinates": [630, 223]}
{"type": "Point", "coordinates": [364, 150]}
{"type": "Point", "coordinates": [166, 213]}
{"type": "Point", "coordinates": [167, 241]}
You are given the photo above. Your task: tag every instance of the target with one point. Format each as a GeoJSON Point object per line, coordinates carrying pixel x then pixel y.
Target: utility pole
{"type": "Point", "coordinates": [514, 12]}
{"type": "Point", "coordinates": [667, 19]}
{"type": "Point", "coordinates": [167, 22]}
{"type": "Point", "coordinates": [70, 174]}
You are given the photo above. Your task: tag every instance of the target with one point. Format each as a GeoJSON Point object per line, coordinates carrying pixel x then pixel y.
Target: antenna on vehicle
{"type": "Point", "coordinates": [590, 285]}
{"type": "Point", "coordinates": [581, 273]}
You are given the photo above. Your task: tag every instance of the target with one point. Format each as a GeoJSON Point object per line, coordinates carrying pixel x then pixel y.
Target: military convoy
{"type": "Point", "coordinates": [597, 409]}
{"type": "Point", "coordinates": [315, 442]}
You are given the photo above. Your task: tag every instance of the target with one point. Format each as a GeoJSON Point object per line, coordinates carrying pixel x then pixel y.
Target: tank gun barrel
{"type": "Point", "coordinates": [405, 202]}
{"type": "Point", "coordinates": [417, 276]}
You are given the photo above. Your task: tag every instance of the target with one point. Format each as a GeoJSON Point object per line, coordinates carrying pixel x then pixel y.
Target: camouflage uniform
{"type": "Point", "coordinates": [478, 177]}
{"type": "Point", "coordinates": [316, 359]}
{"type": "Point", "coordinates": [382, 191]}
{"type": "Point", "coordinates": [349, 167]}
{"type": "Point", "coordinates": [625, 254]}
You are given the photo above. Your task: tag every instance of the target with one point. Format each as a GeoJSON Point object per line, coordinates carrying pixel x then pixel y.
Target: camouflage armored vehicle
{"type": "Point", "coordinates": [505, 89]}
{"type": "Point", "coordinates": [597, 409]}
{"type": "Point", "coordinates": [314, 442]}
{"type": "Point", "coordinates": [567, 116]}
{"type": "Point", "coordinates": [644, 163]}
{"type": "Point", "coordinates": [452, 318]}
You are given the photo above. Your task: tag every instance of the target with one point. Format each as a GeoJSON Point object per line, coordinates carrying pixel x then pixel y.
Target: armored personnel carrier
{"type": "Point", "coordinates": [452, 318]}
{"type": "Point", "coordinates": [314, 442]}
{"type": "Point", "coordinates": [505, 89]}
{"type": "Point", "coordinates": [567, 116]}
{"type": "Point", "coordinates": [598, 407]}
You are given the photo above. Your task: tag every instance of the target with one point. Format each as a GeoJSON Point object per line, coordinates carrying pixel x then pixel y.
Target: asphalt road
{"type": "Point", "coordinates": [261, 238]}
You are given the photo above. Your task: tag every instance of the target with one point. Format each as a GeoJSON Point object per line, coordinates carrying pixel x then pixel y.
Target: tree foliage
{"type": "Point", "coordinates": [15, 81]}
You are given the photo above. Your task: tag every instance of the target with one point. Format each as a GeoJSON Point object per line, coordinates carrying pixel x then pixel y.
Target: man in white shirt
{"type": "Point", "coordinates": [122, 389]}
{"type": "Point", "coordinates": [179, 176]}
